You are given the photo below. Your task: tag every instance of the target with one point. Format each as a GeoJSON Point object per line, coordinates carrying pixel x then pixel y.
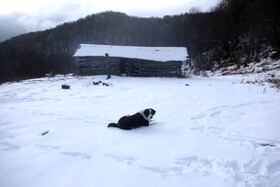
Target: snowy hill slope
{"type": "Point", "coordinates": [264, 69]}
{"type": "Point", "coordinates": [214, 132]}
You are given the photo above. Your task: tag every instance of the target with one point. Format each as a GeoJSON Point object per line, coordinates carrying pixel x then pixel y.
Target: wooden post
{"type": "Point", "coordinates": [139, 69]}
{"type": "Point", "coordinates": [158, 69]}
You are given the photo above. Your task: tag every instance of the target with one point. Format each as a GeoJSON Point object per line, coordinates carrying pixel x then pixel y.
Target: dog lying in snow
{"type": "Point", "coordinates": [141, 118]}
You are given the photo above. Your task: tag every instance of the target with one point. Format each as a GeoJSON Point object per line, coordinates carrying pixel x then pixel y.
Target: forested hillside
{"type": "Point", "coordinates": [234, 29]}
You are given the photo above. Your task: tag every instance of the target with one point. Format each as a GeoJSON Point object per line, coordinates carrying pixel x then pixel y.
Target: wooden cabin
{"type": "Point", "coordinates": [131, 60]}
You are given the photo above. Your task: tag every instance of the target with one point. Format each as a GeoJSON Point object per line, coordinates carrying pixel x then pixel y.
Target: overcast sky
{"type": "Point", "coordinates": [21, 16]}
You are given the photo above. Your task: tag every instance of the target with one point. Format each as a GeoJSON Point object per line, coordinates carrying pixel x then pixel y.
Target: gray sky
{"type": "Point", "coordinates": [21, 16]}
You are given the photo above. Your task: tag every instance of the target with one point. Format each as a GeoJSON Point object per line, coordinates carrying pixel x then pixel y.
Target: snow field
{"type": "Point", "coordinates": [214, 132]}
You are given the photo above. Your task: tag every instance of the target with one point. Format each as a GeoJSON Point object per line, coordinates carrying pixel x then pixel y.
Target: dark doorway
{"type": "Point", "coordinates": [123, 66]}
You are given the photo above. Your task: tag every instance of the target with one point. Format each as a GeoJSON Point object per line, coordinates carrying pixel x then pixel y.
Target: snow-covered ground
{"type": "Point", "coordinates": [212, 132]}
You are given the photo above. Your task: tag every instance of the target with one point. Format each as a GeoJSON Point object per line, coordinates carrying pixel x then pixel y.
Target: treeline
{"type": "Point", "coordinates": [35, 54]}
{"type": "Point", "coordinates": [233, 29]}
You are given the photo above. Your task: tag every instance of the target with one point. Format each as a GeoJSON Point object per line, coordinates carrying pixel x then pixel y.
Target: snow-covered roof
{"type": "Point", "coordinates": [163, 54]}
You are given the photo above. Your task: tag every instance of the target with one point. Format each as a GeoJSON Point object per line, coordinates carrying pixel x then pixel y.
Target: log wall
{"type": "Point", "coordinates": [130, 67]}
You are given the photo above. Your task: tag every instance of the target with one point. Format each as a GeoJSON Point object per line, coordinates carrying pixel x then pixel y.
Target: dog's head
{"type": "Point", "coordinates": [149, 113]}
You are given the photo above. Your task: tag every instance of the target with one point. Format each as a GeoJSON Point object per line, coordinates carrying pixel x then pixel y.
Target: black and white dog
{"type": "Point", "coordinates": [141, 118]}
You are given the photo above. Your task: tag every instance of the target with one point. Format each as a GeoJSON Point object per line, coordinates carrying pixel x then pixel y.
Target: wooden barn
{"type": "Point", "coordinates": [131, 60]}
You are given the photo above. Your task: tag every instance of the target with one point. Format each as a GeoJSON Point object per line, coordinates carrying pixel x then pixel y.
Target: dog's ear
{"type": "Point", "coordinates": [147, 112]}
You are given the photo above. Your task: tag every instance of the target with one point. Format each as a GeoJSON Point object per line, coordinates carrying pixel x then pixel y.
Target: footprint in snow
{"type": "Point", "coordinates": [253, 166]}
{"type": "Point", "coordinates": [168, 171]}
{"type": "Point", "coordinates": [71, 154]}
{"type": "Point", "coordinates": [274, 167]}
{"type": "Point", "coordinates": [47, 147]}
{"type": "Point", "coordinates": [7, 146]}
{"type": "Point", "coordinates": [77, 155]}
{"type": "Point", "coordinates": [123, 159]}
